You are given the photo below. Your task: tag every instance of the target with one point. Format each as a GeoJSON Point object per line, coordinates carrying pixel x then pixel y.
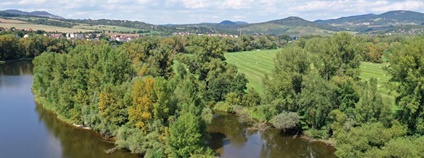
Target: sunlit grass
{"type": "Point", "coordinates": [255, 64]}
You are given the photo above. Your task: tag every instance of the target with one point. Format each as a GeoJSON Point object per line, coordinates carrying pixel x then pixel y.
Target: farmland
{"type": "Point", "coordinates": [255, 64]}
{"type": "Point", "coordinates": [110, 28]}
{"type": "Point", "coordinates": [7, 23]}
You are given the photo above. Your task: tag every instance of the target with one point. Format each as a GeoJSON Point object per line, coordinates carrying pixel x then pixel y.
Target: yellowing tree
{"type": "Point", "coordinates": [140, 113]}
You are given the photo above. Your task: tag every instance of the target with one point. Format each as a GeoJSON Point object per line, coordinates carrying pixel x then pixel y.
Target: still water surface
{"type": "Point", "coordinates": [29, 131]}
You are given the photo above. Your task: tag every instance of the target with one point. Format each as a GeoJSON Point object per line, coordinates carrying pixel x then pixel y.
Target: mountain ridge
{"type": "Point", "coordinates": [388, 22]}
{"type": "Point", "coordinates": [33, 13]}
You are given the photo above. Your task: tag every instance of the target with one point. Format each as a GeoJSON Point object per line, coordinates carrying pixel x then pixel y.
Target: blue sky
{"type": "Point", "coordinates": [196, 11]}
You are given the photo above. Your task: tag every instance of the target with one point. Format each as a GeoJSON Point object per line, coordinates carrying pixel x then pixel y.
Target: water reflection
{"type": "Point", "coordinates": [232, 140]}
{"type": "Point", "coordinates": [27, 130]}
{"type": "Point", "coordinates": [16, 68]}
{"type": "Point", "coordinates": [75, 142]}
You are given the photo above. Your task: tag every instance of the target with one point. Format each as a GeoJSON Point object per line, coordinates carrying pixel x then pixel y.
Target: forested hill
{"type": "Point", "coordinates": [386, 22]}
{"type": "Point", "coordinates": [297, 21]}
{"type": "Point", "coordinates": [400, 16]}
{"type": "Point", "coordinates": [396, 22]}
{"type": "Point", "coordinates": [13, 12]}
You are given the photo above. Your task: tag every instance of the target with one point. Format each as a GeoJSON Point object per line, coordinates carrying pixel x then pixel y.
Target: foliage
{"type": "Point", "coordinates": [13, 47]}
{"type": "Point", "coordinates": [285, 120]}
{"type": "Point", "coordinates": [185, 136]}
{"type": "Point", "coordinates": [155, 94]}
{"type": "Point", "coordinates": [406, 69]}
{"type": "Point", "coordinates": [360, 141]}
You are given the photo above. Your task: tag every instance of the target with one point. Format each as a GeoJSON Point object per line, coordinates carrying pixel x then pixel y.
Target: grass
{"type": "Point", "coordinates": [374, 70]}
{"type": "Point", "coordinates": [8, 23]}
{"type": "Point", "coordinates": [110, 28]}
{"type": "Point", "coordinates": [12, 21]}
{"type": "Point", "coordinates": [46, 28]}
{"type": "Point", "coordinates": [289, 30]}
{"type": "Point", "coordinates": [255, 64]}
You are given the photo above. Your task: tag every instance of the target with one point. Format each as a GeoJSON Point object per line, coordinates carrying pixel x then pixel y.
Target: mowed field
{"type": "Point", "coordinates": [105, 28]}
{"type": "Point", "coordinates": [255, 64]}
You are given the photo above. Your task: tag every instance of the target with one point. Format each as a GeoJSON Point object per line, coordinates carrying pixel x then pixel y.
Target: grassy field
{"type": "Point", "coordinates": [43, 27]}
{"type": "Point", "coordinates": [105, 28]}
{"type": "Point", "coordinates": [12, 21]}
{"type": "Point", "coordinates": [373, 70]}
{"type": "Point", "coordinates": [8, 23]}
{"type": "Point", "coordinates": [255, 64]}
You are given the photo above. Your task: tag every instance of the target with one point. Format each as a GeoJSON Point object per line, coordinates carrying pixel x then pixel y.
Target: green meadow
{"type": "Point", "coordinates": [105, 28]}
{"type": "Point", "coordinates": [256, 64]}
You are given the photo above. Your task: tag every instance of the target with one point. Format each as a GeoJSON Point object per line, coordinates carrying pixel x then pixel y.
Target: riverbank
{"type": "Point", "coordinates": [328, 142]}
{"type": "Point", "coordinates": [306, 135]}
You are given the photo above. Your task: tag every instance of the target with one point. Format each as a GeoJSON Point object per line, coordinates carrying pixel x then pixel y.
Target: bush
{"type": "Point", "coordinates": [285, 120]}
{"type": "Point", "coordinates": [222, 106]}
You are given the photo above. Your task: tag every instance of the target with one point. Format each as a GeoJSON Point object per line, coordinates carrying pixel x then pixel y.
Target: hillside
{"type": "Point", "coordinates": [13, 12]}
{"type": "Point", "coordinates": [390, 22]}
{"type": "Point", "coordinates": [393, 22]}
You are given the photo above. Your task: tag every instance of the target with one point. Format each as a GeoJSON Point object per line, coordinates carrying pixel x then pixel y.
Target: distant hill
{"type": "Point", "coordinates": [297, 21]}
{"type": "Point", "coordinates": [400, 21]}
{"type": "Point", "coordinates": [227, 22]}
{"type": "Point", "coordinates": [293, 26]}
{"type": "Point", "coordinates": [399, 16]}
{"type": "Point", "coordinates": [385, 22]}
{"type": "Point", "coordinates": [355, 18]}
{"type": "Point", "coordinates": [12, 12]}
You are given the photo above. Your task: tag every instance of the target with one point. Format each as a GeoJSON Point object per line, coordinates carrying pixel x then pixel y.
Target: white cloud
{"type": "Point", "coordinates": [195, 11]}
{"type": "Point", "coordinates": [32, 1]}
{"type": "Point", "coordinates": [407, 5]}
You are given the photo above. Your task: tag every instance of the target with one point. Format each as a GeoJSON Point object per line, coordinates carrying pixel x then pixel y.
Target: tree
{"type": "Point", "coordinates": [317, 100]}
{"type": "Point", "coordinates": [112, 109]}
{"type": "Point", "coordinates": [406, 68]}
{"type": "Point", "coordinates": [140, 112]}
{"type": "Point", "coordinates": [338, 55]}
{"type": "Point", "coordinates": [360, 141]}
{"type": "Point", "coordinates": [286, 120]}
{"type": "Point", "coordinates": [291, 64]}
{"type": "Point", "coordinates": [251, 98]}
{"type": "Point", "coordinates": [9, 47]}
{"type": "Point", "coordinates": [371, 106]}
{"type": "Point", "coordinates": [185, 136]}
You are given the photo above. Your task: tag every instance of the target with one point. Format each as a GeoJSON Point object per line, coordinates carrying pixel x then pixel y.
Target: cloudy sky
{"type": "Point", "coordinates": [196, 11]}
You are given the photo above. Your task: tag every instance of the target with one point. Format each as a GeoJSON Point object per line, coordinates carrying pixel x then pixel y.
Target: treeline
{"type": "Point", "coordinates": [51, 22]}
{"type": "Point", "coordinates": [138, 94]}
{"type": "Point", "coordinates": [315, 88]}
{"type": "Point", "coordinates": [123, 23]}
{"type": "Point", "coordinates": [14, 47]}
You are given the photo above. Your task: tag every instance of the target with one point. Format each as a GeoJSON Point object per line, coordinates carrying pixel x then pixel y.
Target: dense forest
{"type": "Point", "coordinates": [156, 95]}
{"type": "Point", "coordinates": [14, 46]}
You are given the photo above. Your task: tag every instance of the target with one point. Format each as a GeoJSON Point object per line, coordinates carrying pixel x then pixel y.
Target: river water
{"type": "Point", "coordinates": [29, 131]}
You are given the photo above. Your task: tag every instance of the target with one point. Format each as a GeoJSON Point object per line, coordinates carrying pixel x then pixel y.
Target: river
{"type": "Point", "coordinates": [29, 131]}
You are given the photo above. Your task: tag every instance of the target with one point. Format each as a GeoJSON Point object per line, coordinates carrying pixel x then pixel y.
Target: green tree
{"type": "Point", "coordinates": [406, 69]}
{"type": "Point", "coordinates": [185, 136]}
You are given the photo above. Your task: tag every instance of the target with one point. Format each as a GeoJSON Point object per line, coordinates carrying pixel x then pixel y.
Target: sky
{"type": "Point", "coordinates": [197, 11]}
